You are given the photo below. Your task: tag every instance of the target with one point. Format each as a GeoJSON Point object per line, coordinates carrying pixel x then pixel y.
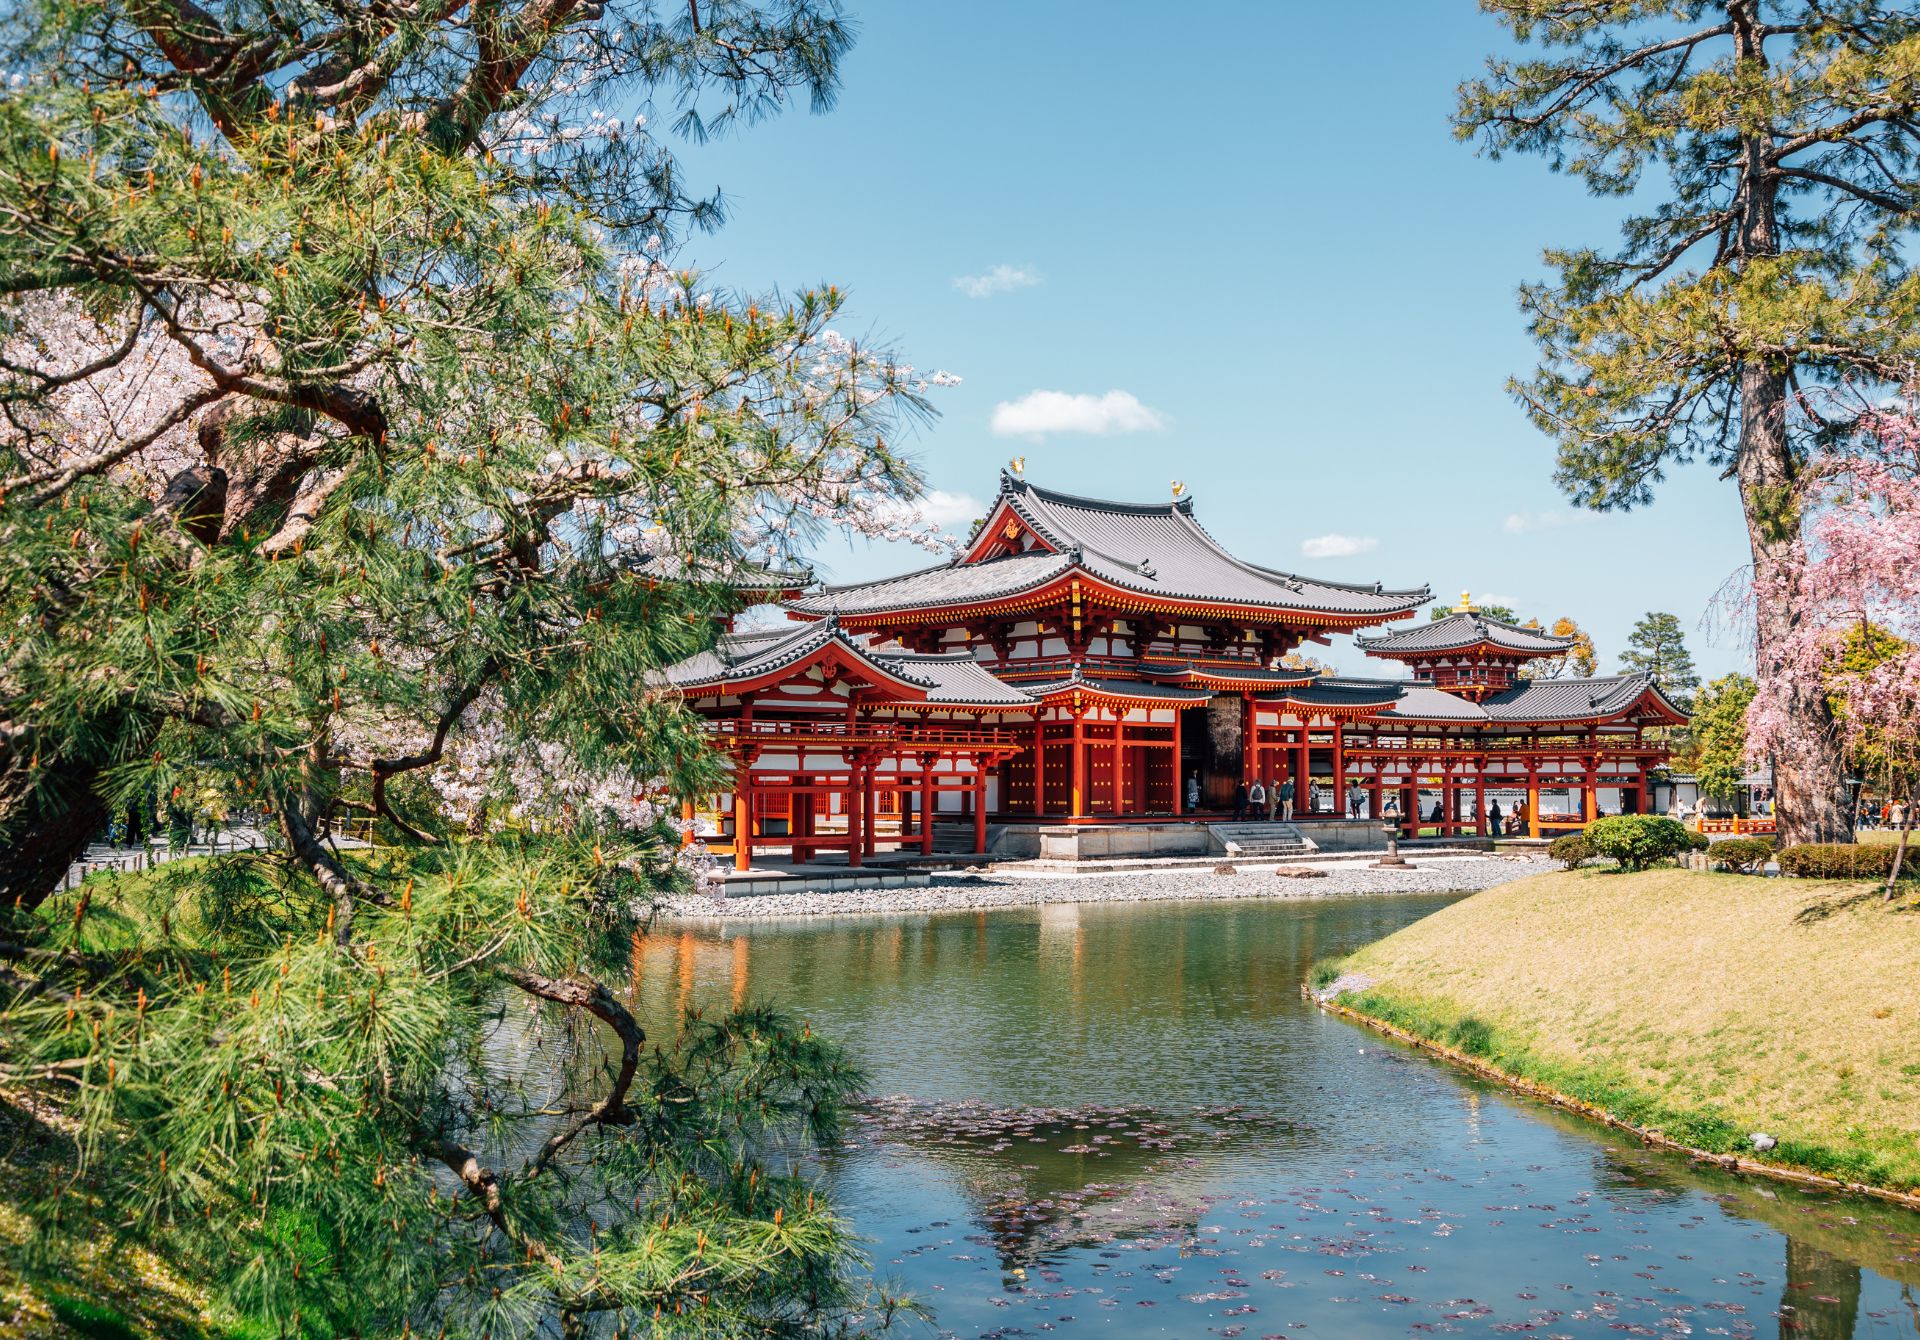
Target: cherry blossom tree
{"type": "Point", "coordinates": [1857, 567]}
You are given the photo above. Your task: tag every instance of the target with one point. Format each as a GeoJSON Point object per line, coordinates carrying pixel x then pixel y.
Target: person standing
{"type": "Point", "coordinates": [1193, 792]}
{"type": "Point", "coordinates": [1256, 799]}
{"type": "Point", "coordinates": [1239, 801]}
{"type": "Point", "coordinates": [1286, 799]}
{"type": "Point", "coordinates": [1273, 798]}
{"type": "Point", "coordinates": [1494, 816]}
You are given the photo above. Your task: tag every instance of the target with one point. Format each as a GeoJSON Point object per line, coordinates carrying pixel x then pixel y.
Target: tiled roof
{"type": "Point", "coordinates": [748, 655]}
{"type": "Point", "coordinates": [1573, 699]}
{"type": "Point", "coordinates": [1423, 702]}
{"type": "Point", "coordinates": [953, 679]}
{"type": "Point", "coordinates": [1462, 630]}
{"type": "Point", "coordinates": [1338, 692]}
{"type": "Point", "coordinates": [957, 679]}
{"type": "Point", "coordinates": [1159, 549]}
{"type": "Point", "coordinates": [1242, 674]}
{"type": "Point", "coordinates": [947, 584]}
{"type": "Point", "coordinates": [1153, 549]}
{"type": "Point", "coordinates": [1119, 688]}
{"type": "Point", "coordinates": [740, 576]}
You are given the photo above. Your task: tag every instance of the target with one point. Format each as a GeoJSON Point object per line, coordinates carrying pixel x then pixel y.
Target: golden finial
{"type": "Point", "coordinates": [1178, 488]}
{"type": "Point", "coordinates": [1466, 603]}
{"type": "Point", "coordinates": [1019, 464]}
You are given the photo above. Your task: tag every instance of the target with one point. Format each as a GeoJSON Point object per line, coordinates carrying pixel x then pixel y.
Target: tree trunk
{"type": "Point", "coordinates": [44, 828]}
{"type": "Point", "coordinates": [1906, 832]}
{"type": "Point", "coordinates": [1809, 767]}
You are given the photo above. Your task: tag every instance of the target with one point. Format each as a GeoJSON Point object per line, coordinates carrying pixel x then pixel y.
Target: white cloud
{"type": "Point", "coordinates": [1000, 279]}
{"type": "Point", "coordinates": [1038, 413]}
{"type": "Point", "coordinates": [1481, 599]}
{"type": "Point", "coordinates": [1338, 546]}
{"type": "Point", "coordinates": [951, 513]}
{"type": "Point", "coordinates": [1520, 523]}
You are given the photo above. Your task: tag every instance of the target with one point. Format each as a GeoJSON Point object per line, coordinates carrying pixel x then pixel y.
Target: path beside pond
{"type": "Point", "coordinates": [967, 892]}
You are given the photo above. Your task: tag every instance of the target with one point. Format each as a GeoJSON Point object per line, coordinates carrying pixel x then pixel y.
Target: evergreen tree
{"type": "Point", "coordinates": [1657, 647]}
{"type": "Point", "coordinates": [1716, 747]}
{"type": "Point", "coordinates": [1504, 613]}
{"type": "Point", "coordinates": [1785, 131]}
{"type": "Point", "coordinates": [362, 455]}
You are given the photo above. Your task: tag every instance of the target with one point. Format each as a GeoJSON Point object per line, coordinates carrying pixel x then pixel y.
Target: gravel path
{"type": "Point", "coordinates": [1435, 874]}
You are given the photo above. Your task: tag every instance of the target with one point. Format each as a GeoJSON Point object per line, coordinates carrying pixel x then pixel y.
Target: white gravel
{"type": "Point", "coordinates": [962, 892]}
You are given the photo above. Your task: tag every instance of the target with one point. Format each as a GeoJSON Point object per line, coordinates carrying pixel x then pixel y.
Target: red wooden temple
{"type": "Point", "coordinates": [1089, 662]}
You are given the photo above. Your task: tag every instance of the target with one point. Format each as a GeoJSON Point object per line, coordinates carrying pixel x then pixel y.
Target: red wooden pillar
{"type": "Point", "coordinates": [742, 815]}
{"type": "Point", "coordinates": [980, 804]}
{"type": "Point", "coordinates": [856, 839]}
{"type": "Point", "coordinates": [926, 803]}
{"type": "Point", "coordinates": [1179, 782]}
{"type": "Point", "coordinates": [1039, 765]}
{"type": "Point", "coordinates": [869, 806]}
{"type": "Point", "coordinates": [1079, 807]}
{"type": "Point", "coordinates": [1248, 741]}
{"type": "Point", "coordinates": [1480, 796]}
{"type": "Point", "coordinates": [1339, 770]}
{"type": "Point", "coordinates": [686, 817]}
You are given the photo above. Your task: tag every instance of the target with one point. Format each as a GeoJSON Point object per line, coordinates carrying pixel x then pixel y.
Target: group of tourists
{"type": "Point", "coordinates": [1888, 814]}
{"type": "Point", "coordinates": [1269, 798]}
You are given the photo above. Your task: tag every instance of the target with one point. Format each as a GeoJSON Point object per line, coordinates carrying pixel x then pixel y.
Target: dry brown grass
{"type": "Point", "coordinates": [1707, 992]}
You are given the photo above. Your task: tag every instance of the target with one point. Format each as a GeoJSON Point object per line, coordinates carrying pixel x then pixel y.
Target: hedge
{"type": "Point", "coordinates": [1846, 860]}
{"type": "Point", "coordinates": [1743, 855]}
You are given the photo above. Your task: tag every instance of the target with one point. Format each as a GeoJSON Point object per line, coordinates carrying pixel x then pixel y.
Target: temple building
{"type": "Point", "coordinates": [1087, 662]}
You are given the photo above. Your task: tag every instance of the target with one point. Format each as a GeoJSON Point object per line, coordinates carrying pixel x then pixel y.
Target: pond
{"type": "Point", "coordinates": [1123, 1120]}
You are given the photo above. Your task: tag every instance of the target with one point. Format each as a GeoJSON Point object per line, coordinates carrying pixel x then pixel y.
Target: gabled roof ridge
{"type": "Point", "coordinates": [1012, 484]}
{"type": "Point", "coordinates": [825, 590]}
{"type": "Point", "coordinates": [1294, 580]}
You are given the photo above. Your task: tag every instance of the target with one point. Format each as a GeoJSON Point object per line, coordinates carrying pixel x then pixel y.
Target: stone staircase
{"type": "Point", "coordinates": [953, 839]}
{"type": "Point", "coordinates": [1259, 841]}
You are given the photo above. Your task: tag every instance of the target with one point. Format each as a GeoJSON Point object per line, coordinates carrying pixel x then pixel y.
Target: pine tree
{"type": "Point", "coordinates": [355, 426]}
{"type": "Point", "coordinates": [1657, 647]}
{"type": "Point", "coordinates": [1776, 264]}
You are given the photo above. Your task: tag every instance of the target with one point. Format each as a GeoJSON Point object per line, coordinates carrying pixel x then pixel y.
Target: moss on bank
{"type": "Point", "coordinates": [1704, 1006]}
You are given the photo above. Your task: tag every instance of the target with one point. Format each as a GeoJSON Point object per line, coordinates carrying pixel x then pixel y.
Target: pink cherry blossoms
{"type": "Point", "coordinates": [1857, 573]}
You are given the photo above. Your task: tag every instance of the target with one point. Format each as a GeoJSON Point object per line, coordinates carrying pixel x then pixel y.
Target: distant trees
{"type": "Point", "coordinates": [1578, 663]}
{"type": "Point", "coordinates": [1715, 749]}
{"type": "Point", "coordinates": [1657, 647]}
{"type": "Point", "coordinates": [1501, 612]}
{"type": "Point", "coordinates": [1775, 259]}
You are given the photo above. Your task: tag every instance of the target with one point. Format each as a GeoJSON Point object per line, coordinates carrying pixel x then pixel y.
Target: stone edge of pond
{"type": "Point", "coordinates": [1733, 1163]}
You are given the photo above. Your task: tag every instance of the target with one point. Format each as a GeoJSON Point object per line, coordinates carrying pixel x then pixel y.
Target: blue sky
{"type": "Point", "coordinates": [1251, 222]}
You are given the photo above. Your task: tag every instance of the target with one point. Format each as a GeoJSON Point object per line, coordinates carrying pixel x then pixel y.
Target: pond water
{"type": "Point", "coordinates": [1123, 1120]}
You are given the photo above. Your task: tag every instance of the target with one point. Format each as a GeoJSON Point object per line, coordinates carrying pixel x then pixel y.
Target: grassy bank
{"type": "Point", "coordinates": [1704, 1006]}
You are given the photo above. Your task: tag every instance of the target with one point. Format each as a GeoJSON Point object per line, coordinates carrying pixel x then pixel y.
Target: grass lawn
{"type": "Point", "coordinates": [1704, 1005]}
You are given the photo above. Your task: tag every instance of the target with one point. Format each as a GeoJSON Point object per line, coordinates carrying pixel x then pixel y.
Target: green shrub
{"type": "Point", "coordinates": [1472, 1035]}
{"type": "Point", "coordinates": [1324, 972]}
{"type": "Point", "coordinates": [1636, 841]}
{"type": "Point", "coordinates": [1571, 850]}
{"type": "Point", "coordinates": [1844, 860]}
{"type": "Point", "coordinates": [1743, 855]}
{"type": "Point", "coordinates": [1698, 841]}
